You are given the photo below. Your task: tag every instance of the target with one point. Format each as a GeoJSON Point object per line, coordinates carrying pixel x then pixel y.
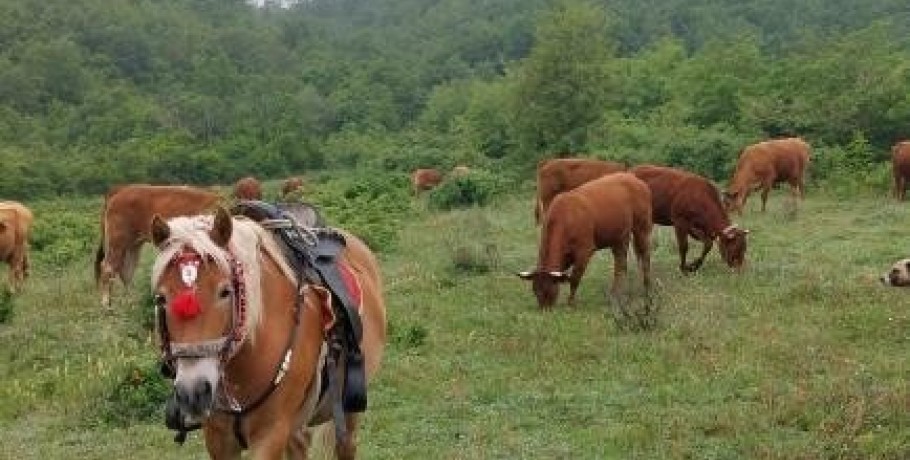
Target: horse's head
{"type": "Point", "coordinates": [732, 244]}
{"type": "Point", "coordinates": [201, 313]}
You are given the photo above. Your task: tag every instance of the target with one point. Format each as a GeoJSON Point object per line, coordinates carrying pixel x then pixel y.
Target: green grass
{"type": "Point", "coordinates": [803, 356]}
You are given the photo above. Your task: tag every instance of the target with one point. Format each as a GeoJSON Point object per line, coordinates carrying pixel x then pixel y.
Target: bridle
{"type": "Point", "coordinates": [224, 347]}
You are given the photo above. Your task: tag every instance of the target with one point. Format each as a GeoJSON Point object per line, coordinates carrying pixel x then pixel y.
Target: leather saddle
{"type": "Point", "coordinates": [313, 250]}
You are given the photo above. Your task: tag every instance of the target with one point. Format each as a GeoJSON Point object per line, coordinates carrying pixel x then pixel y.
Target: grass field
{"type": "Point", "coordinates": [803, 356]}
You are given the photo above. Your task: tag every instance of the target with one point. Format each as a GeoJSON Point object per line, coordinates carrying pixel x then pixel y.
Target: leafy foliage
{"type": "Point", "coordinates": [474, 189]}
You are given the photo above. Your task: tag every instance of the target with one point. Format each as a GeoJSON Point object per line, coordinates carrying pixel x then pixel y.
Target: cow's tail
{"type": "Point", "coordinates": [100, 253]}
{"type": "Point", "coordinates": [99, 257]}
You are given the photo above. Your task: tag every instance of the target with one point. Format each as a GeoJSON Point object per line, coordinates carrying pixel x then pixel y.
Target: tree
{"type": "Point", "coordinates": [562, 85]}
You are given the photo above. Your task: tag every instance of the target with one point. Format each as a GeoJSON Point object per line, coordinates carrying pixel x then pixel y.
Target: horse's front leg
{"type": "Point", "coordinates": [273, 444]}
{"type": "Point", "coordinates": [220, 442]}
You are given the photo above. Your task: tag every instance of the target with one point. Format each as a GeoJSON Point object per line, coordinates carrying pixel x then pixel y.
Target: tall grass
{"type": "Point", "coordinates": [802, 356]}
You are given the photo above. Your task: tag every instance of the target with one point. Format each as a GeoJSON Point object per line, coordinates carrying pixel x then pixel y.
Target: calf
{"type": "Point", "coordinates": [605, 213]}
{"type": "Point", "coordinates": [248, 188]}
{"type": "Point", "coordinates": [563, 174]}
{"type": "Point", "coordinates": [692, 205]}
{"type": "Point", "coordinates": [425, 179]}
{"type": "Point", "coordinates": [762, 165]}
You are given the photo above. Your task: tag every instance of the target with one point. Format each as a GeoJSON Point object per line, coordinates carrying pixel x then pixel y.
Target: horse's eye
{"type": "Point", "coordinates": [225, 293]}
{"type": "Point", "coordinates": [159, 300]}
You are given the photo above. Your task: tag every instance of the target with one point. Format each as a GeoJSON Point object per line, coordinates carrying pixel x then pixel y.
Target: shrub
{"type": "Point", "coordinates": [474, 189]}
{"type": "Point", "coordinates": [471, 244]}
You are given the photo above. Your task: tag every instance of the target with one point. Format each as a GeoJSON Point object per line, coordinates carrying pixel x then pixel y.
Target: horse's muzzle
{"type": "Point", "coordinates": [194, 398]}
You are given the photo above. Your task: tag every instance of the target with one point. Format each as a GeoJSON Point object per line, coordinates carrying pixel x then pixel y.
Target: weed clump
{"type": "Point", "coordinates": [6, 306]}
{"type": "Point", "coordinates": [138, 395]}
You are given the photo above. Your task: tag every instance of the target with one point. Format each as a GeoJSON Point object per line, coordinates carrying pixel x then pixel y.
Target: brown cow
{"type": "Point", "coordinates": [248, 188]}
{"type": "Point", "coordinates": [125, 223]}
{"type": "Point", "coordinates": [15, 232]}
{"type": "Point", "coordinates": [291, 185]}
{"type": "Point", "coordinates": [764, 164]}
{"type": "Point", "coordinates": [425, 179]}
{"type": "Point", "coordinates": [605, 213]}
{"type": "Point", "coordinates": [900, 168]}
{"type": "Point", "coordinates": [692, 205]}
{"type": "Point", "coordinates": [563, 174]}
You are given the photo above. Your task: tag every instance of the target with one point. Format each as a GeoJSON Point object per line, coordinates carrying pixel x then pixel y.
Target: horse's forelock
{"type": "Point", "coordinates": [247, 238]}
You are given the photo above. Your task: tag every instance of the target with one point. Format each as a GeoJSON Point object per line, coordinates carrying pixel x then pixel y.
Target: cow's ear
{"type": "Point", "coordinates": [160, 231]}
{"type": "Point", "coordinates": [526, 275]}
{"type": "Point", "coordinates": [222, 228]}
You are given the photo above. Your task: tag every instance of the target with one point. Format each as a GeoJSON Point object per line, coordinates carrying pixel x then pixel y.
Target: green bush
{"type": "Point", "coordinates": [474, 189]}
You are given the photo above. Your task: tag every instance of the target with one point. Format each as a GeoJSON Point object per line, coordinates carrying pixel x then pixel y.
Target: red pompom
{"type": "Point", "coordinates": [186, 305]}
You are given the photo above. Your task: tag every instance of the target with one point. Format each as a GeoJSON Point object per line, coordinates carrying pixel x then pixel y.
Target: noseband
{"type": "Point", "coordinates": [224, 347]}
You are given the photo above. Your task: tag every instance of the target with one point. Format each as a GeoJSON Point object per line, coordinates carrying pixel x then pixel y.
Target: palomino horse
{"type": "Point", "coordinates": [248, 342]}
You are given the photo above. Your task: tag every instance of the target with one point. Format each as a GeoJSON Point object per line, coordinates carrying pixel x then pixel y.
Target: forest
{"type": "Point", "coordinates": [99, 92]}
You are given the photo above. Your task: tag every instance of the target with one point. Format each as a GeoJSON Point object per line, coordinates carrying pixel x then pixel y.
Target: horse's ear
{"type": "Point", "coordinates": [324, 300]}
{"type": "Point", "coordinates": [160, 231]}
{"type": "Point", "coordinates": [222, 228]}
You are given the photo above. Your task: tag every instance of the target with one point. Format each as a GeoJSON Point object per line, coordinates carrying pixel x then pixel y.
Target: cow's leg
{"type": "Point", "coordinates": [620, 266]}
{"type": "Point", "coordinates": [682, 242]}
{"type": "Point", "coordinates": [579, 264]}
{"type": "Point", "coordinates": [110, 265]}
{"type": "Point", "coordinates": [900, 186]}
{"type": "Point", "coordinates": [766, 189]}
{"type": "Point", "coordinates": [643, 253]}
{"type": "Point", "coordinates": [707, 244]}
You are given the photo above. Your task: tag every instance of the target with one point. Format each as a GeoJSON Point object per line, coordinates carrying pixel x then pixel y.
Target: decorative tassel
{"type": "Point", "coordinates": [186, 305]}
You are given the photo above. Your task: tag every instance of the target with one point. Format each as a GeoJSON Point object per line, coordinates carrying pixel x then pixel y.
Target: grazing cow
{"type": "Point", "coordinates": [605, 213]}
{"type": "Point", "coordinates": [15, 231]}
{"type": "Point", "coordinates": [125, 223]}
{"type": "Point", "coordinates": [900, 167]}
{"type": "Point", "coordinates": [764, 164]}
{"type": "Point", "coordinates": [248, 188]}
{"type": "Point", "coordinates": [291, 185]}
{"type": "Point", "coordinates": [899, 275]}
{"type": "Point", "coordinates": [692, 205]}
{"type": "Point", "coordinates": [425, 179]}
{"type": "Point", "coordinates": [563, 174]}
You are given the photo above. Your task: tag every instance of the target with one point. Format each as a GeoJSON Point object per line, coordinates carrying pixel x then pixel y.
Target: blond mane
{"type": "Point", "coordinates": [247, 238]}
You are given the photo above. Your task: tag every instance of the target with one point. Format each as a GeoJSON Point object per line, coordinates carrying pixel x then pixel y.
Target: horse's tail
{"type": "Point", "coordinates": [99, 257]}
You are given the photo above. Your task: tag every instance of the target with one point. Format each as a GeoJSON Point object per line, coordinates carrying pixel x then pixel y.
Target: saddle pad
{"type": "Point", "coordinates": [352, 284]}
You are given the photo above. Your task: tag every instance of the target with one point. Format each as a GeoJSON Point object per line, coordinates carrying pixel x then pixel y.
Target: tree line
{"type": "Point", "coordinates": [96, 92]}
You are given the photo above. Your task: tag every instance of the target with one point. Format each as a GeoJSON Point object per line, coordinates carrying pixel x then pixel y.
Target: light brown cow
{"type": "Point", "coordinates": [692, 205]}
{"type": "Point", "coordinates": [248, 188]}
{"type": "Point", "coordinates": [425, 179]}
{"type": "Point", "coordinates": [764, 164]}
{"type": "Point", "coordinates": [291, 185]}
{"type": "Point", "coordinates": [563, 174]}
{"type": "Point", "coordinates": [15, 232]}
{"type": "Point", "coordinates": [607, 212]}
{"type": "Point", "coordinates": [125, 223]}
{"type": "Point", "coordinates": [900, 168]}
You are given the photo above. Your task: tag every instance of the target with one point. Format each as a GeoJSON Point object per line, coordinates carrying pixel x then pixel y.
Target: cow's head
{"type": "Point", "coordinates": [732, 245]}
{"type": "Point", "coordinates": [545, 285]}
{"type": "Point", "coordinates": [899, 275]}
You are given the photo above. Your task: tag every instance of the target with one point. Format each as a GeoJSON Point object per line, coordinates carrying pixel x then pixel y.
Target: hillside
{"type": "Point", "coordinates": [97, 92]}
